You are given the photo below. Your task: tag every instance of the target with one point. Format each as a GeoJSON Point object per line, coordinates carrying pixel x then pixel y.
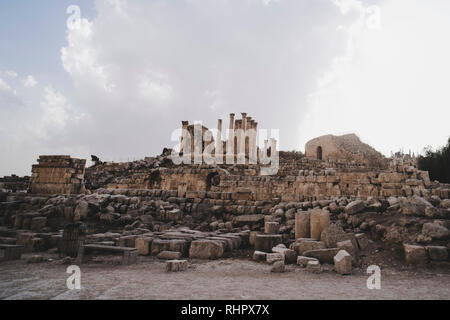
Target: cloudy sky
{"type": "Point", "coordinates": [118, 82]}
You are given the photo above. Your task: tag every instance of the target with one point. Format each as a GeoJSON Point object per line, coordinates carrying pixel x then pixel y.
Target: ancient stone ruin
{"type": "Point", "coordinates": [342, 204]}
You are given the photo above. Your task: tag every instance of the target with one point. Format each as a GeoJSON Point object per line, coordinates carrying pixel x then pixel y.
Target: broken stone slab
{"type": "Point", "coordinates": [323, 255]}
{"type": "Point", "coordinates": [169, 255]}
{"type": "Point", "coordinates": [176, 265]}
{"type": "Point", "coordinates": [302, 245]}
{"type": "Point", "coordinates": [437, 253]}
{"type": "Point", "coordinates": [271, 227]}
{"type": "Point", "coordinates": [355, 207]}
{"type": "Point", "coordinates": [319, 221]}
{"type": "Point", "coordinates": [313, 266]}
{"type": "Point", "coordinates": [435, 231]}
{"type": "Point", "coordinates": [362, 241]}
{"type": "Point", "coordinates": [159, 245]}
{"type": "Point", "coordinates": [290, 256]}
{"type": "Point", "coordinates": [265, 242]}
{"type": "Point", "coordinates": [272, 257]}
{"type": "Point", "coordinates": [302, 224]}
{"type": "Point", "coordinates": [415, 255]}
{"type": "Point", "coordinates": [302, 261]}
{"type": "Point", "coordinates": [143, 245]}
{"type": "Point", "coordinates": [252, 236]}
{"type": "Point", "coordinates": [128, 241]}
{"type": "Point", "coordinates": [259, 256]}
{"type": "Point", "coordinates": [278, 267]}
{"type": "Point", "coordinates": [248, 219]}
{"type": "Point", "coordinates": [332, 235]}
{"type": "Point", "coordinates": [348, 246]}
{"type": "Point", "coordinates": [343, 262]}
{"type": "Point", "coordinates": [206, 249]}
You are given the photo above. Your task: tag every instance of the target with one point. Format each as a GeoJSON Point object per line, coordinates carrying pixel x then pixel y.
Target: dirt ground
{"type": "Point", "coordinates": [233, 278]}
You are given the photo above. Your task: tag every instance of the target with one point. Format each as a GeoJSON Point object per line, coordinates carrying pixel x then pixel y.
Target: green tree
{"type": "Point", "coordinates": [437, 163]}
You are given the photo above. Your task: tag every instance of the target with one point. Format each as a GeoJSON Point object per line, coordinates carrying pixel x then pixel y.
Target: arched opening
{"type": "Point", "coordinates": [212, 180]}
{"type": "Point", "coordinates": [154, 181]}
{"type": "Point", "coordinates": [319, 153]}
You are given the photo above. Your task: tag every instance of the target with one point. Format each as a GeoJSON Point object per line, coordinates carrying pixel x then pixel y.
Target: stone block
{"type": "Point", "coordinates": [302, 224]}
{"type": "Point", "coordinates": [343, 262]}
{"type": "Point", "coordinates": [169, 255]}
{"type": "Point", "coordinates": [319, 221]}
{"type": "Point", "coordinates": [176, 265]}
{"type": "Point", "coordinates": [206, 249]}
{"type": "Point", "coordinates": [355, 207]}
{"type": "Point", "coordinates": [265, 242]}
{"type": "Point", "coordinates": [437, 253]}
{"type": "Point", "coordinates": [313, 266]}
{"type": "Point", "coordinates": [323, 255]}
{"type": "Point", "coordinates": [272, 257]}
{"type": "Point", "coordinates": [259, 256]}
{"type": "Point", "coordinates": [143, 245]}
{"type": "Point", "coordinates": [271, 227]}
{"type": "Point", "coordinates": [302, 245]}
{"type": "Point", "coordinates": [278, 267]}
{"type": "Point", "coordinates": [290, 256]}
{"type": "Point", "coordinates": [302, 261]}
{"type": "Point", "coordinates": [415, 255]}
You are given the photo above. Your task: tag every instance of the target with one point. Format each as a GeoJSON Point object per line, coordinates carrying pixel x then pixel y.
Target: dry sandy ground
{"type": "Point", "coordinates": [222, 279]}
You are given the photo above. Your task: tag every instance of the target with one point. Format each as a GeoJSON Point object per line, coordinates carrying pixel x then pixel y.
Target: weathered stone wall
{"type": "Point", "coordinates": [58, 175]}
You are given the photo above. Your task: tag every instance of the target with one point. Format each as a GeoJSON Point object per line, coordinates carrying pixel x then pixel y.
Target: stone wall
{"type": "Point", "coordinates": [58, 175]}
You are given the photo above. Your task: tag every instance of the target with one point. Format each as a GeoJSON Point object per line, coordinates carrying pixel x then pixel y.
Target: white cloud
{"type": "Point", "coordinates": [11, 74]}
{"type": "Point", "coordinates": [4, 86]}
{"type": "Point", "coordinates": [29, 82]}
{"type": "Point", "coordinates": [388, 85]}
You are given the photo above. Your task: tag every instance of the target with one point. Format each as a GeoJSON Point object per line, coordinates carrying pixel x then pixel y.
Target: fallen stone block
{"type": "Point", "coordinates": [319, 221]}
{"type": "Point", "coordinates": [437, 253]}
{"type": "Point", "coordinates": [435, 231]}
{"type": "Point", "coordinates": [323, 255]}
{"type": "Point", "coordinates": [302, 261]}
{"type": "Point", "coordinates": [248, 219]}
{"type": "Point", "coordinates": [415, 254]}
{"type": "Point", "coordinates": [313, 266]}
{"type": "Point", "coordinates": [302, 245]}
{"type": "Point", "coordinates": [265, 242]}
{"type": "Point", "coordinates": [128, 241]}
{"type": "Point", "coordinates": [271, 227]}
{"type": "Point", "coordinates": [332, 235]}
{"type": "Point", "coordinates": [343, 262]}
{"type": "Point", "coordinates": [169, 255]}
{"type": "Point", "coordinates": [272, 257]}
{"type": "Point", "coordinates": [290, 256]}
{"type": "Point", "coordinates": [252, 236]}
{"type": "Point", "coordinates": [355, 207]}
{"type": "Point", "coordinates": [278, 267]}
{"type": "Point", "coordinates": [347, 245]}
{"type": "Point", "coordinates": [259, 256]}
{"type": "Point", "coordinates": [176, 265]}
{"type": "Point", "coordinates": [143, 245]}
{"type": "Point", "coordinates": [362, 241]}
{"type": "Point", "coordinates": [302, 224]}
{"type": "Point", "coordinates": [159, 245]}
{"type": "Point", "coordinates": [206, 249]}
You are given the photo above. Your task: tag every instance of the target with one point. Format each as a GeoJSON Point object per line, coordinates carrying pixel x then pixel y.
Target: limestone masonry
{"type": "Point", "coordinates": [341, 203]}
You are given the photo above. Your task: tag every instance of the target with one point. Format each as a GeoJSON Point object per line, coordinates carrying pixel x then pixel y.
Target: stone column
{"type": "Point", "coordinates": [218, 153]}
{"type": "Point", "coordinates": [184, 125]}
{"type": "Point", "coordinates": [230, 141]}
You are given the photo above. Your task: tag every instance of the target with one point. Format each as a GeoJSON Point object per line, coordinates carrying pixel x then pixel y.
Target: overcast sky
{"type": "Point", "coordinates": [118, 84]}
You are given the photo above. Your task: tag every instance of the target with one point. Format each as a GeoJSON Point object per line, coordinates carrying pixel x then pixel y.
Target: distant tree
{"type": "Point", "coordinates": [437, 163]}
